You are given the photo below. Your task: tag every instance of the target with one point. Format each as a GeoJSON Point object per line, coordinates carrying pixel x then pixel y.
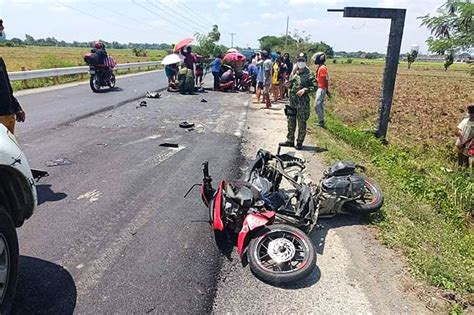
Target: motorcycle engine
{"type": "Point", "coordinates": [351, 186]}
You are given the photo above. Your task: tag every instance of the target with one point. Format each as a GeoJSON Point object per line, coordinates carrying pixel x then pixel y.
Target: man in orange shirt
{"type": "Point", "coordinates": [322, 78]}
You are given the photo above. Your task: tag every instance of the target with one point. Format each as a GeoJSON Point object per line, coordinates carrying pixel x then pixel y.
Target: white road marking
{"type": "Point", "coordinates": [93, 195]}
{"type": "Point", "coordinates": [152, 137]}
{"type": "Point", "coordinates": [242, 121]}
{"type": "Point", "coordinates": [96, 268]}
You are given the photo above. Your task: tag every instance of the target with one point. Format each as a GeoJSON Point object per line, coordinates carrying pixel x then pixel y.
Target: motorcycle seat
{"type": "Point", "coordinates": [242, 193]}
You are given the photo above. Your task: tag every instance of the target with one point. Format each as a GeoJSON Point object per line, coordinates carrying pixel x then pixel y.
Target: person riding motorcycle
{"type": "Point", "coordinates": [99, 49]}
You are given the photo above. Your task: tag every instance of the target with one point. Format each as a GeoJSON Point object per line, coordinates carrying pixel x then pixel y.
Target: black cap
{"type": "Point", "coordinates": [470, 109]}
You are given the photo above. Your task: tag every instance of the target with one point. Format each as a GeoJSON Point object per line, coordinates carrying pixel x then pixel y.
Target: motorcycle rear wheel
{"type": "Point", "coordinates": [371, 202]}
{"type": "Point", "coordinates": [94, 83]}
{"type": "Point", "coordinates": [281, 254]}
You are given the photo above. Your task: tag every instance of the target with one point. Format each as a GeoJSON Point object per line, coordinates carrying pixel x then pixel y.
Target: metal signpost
{"type": "Point", "coordinates": [397, 17]}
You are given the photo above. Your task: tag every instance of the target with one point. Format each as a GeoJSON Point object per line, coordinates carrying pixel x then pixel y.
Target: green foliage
{"type": "Point", "coordinates": [51, 41]}
{"type": "Point", "coordinates": [53, 61]}
{"type": "Point", "coordinates": [427, 209]}
{"type": "Point", "coordinates": [411, 57]}
{"type": "Point", "coordinates": [138, 52]}
{"type": "Point", "coordinates": [207, 46]}
{"type": "Point", "coordinates": [349, 60]}
{"type": "Point", "coordinates": [448, 61]}
{"type": "Point", "coordinates": [453, 29]}
{"type": "Point", "coordinates": [296, 42]}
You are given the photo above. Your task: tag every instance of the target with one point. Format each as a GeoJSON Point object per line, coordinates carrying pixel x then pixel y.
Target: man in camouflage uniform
{"type": "Point", "coordinates": [302, 84]}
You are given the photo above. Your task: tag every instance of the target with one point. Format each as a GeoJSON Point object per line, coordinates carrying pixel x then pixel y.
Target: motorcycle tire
{"type": "Point", "coordinates": [281, 254]}
{"type": "Point", "coordinates": [94, 83]}
{"type": "Point", "coordinates": [111, 83]}
{"type": "Point", "coordinates": [9, 259]}
{"type": "Point", "coordinates": [367, 206]}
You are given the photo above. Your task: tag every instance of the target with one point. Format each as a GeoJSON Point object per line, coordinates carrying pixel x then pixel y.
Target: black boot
{"type": "Point", "coordinates": [286, 144]}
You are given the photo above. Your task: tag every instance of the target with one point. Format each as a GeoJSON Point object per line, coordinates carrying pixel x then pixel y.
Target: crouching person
{"type": "Point", "coordinates": [465, 139]}
{"type": "Point", "coordinates": [185, 80]}
{"type": "Point", "coordinates": [301, 85]}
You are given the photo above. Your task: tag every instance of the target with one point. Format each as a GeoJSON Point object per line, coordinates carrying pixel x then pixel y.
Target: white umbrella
{"type": "Point", "coordinates": [232, 50]}
{"type": "Point", "coordinates": [171, 59]}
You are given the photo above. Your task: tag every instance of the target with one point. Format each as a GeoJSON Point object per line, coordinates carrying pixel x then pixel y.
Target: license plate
{"type": "Point", "coordinates": [91, 71]}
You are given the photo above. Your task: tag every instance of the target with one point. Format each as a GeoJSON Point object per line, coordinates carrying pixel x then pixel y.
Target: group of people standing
{"type": "Point", "coordinates": [188, 75]}
{"type": "Point", "coordinates": [295, 83]}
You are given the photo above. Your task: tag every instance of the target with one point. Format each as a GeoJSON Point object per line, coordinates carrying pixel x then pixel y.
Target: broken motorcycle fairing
{"type": "Point", "coordinates": [276, 254]}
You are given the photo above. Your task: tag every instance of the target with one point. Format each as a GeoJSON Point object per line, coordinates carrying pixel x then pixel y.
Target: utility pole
{"type": "Point", "coordinates": [286, 37]}
{"type": "Point", "coordinates": [397, 17]}
{"type": "Point", "coordinates": [232, 39]}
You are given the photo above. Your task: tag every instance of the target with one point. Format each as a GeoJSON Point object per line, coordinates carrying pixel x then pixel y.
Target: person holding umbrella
{"type": "Point", "coordinates": [302, 84]}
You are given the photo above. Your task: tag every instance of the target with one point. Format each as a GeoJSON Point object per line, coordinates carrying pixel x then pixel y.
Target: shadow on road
{"type": "Point", "coordinates": [43, 288]}
{"type": "Point", "coordinates": [320, 233]}
{"type": "Point", "coordinates": [46, 194]}
{"type": "Point", "coordinates": [312, 148]}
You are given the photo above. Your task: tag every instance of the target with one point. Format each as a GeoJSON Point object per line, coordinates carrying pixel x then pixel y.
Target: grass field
{"type": "Point", "coordinates": [429, 202]}
{"type": "Point", "coordinates": [32, 57]}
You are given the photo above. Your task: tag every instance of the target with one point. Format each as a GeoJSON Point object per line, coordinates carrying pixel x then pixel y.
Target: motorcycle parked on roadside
{"type": "Point", "coordinates": [276, 253]}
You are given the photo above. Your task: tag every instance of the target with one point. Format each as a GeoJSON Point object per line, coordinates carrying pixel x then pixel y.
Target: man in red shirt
{"type": "Point", "coordinates": [322, 78]}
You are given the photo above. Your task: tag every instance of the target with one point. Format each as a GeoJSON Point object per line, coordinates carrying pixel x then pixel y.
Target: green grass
{"type": "Point", "coordinates": [427, 211]}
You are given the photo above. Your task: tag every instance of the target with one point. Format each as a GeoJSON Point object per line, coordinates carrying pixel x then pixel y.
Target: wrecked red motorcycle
{"type": "Point", "coordinates": [276, 253]}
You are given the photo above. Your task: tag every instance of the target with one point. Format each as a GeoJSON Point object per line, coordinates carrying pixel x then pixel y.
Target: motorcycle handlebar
{"type": "Point", "coordinates": [205, 169]}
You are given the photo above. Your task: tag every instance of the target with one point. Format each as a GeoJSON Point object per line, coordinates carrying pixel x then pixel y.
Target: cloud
{"type": "Point", "coordinates": [272, 16]}
{"type": "Point", "coordinates": [228, 4]}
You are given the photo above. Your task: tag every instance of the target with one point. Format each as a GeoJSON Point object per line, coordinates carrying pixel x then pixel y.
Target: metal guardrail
{"type": "Point", "coordinates": [57, 72]}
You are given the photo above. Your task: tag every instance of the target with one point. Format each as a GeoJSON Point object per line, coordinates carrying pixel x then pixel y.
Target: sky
{"type": "Point", "coordinates": [168, 21]}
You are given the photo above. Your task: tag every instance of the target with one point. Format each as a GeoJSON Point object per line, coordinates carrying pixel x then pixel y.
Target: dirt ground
{"type": "Point", "coordinates": [355, 273]}
{"type": "Point", "coordinates": [428, 102]}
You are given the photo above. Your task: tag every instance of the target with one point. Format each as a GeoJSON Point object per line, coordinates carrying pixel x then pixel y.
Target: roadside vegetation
{"type": "Point", "coordinates": [429, 208]}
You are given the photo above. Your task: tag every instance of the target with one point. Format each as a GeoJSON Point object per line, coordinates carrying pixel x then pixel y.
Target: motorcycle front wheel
{"type": "Point", "coordinates": [94, 83]}
{"type": "Point", "coordinates": [370, 202]}
{"type": "Point", "coordinates": [281, 254]}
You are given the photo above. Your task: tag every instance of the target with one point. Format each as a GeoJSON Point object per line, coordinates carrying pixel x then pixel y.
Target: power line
{"type": "Point", "coordinates": [191, 10]}
{"type": "Point", "coordinates": [132, 18]}
{"type": "Point", "coordinates": [232, 39]}
{"type": "Point", "coordinates": [160, 16]}
{"type": "Point", "coordinates": [174, 14]}
{"type": "Point", "coordinates": [199, 19]}
{"type": "Point", "coordinates": [90, 15]}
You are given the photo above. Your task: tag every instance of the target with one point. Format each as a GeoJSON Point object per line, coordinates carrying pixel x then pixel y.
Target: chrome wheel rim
{"type": "Point", "coordinates": [4, 267]}
{"type": "Point", "coordinates": [282, 252]}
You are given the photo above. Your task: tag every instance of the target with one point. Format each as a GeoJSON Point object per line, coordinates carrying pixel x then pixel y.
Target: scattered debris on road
{"type": "Point", "coordinates": [58, 162]}
{"type": "Point", "coordinates": [185, 124]}
{"type": "Point", "coordinates": [153, 95]}
{"type": "Point", "coordinates": [142, 104]}
{"type": "Point", "coordinates": [92, 196]}
{"type": "Point", "coordinates": [203, 101]}
{"type": "Point", "coordinates": [169, 145]}
{"type": "Point", "coordinates": [102, 144]}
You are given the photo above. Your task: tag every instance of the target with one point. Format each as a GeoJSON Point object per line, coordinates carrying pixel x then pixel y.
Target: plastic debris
{"type": "Point", "coordinates": [169, 145]}
{"type": "Point", "coordinates": [203, 101]}
{"type": "Point", "coordinates": [58, 162]}
{"type": "Point", "coordinates": [185, 124]}
{"type": "Point", "coordinates": [153, 95]}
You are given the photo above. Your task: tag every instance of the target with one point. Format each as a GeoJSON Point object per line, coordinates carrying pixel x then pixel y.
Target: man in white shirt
{"type": "Point", "coordinates": [267, 77]}
{"type": "Point", "coordinates": [465, 140]}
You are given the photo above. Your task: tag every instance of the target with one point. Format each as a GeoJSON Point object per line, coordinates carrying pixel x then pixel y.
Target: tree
{"type": "Point", "coordinates": [453, 29]}
{"type": "Point", "coordinates": [411, 57]}
{"type": "Point", "coordinates": [214, 35]}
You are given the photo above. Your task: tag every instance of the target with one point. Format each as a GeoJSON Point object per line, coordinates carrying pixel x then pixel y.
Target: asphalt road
{"type": "Point", "coordinates": [113, 233]}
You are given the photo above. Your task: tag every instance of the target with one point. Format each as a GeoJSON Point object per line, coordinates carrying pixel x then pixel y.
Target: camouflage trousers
{"type": "Point", "coordinates": [298, 121]}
